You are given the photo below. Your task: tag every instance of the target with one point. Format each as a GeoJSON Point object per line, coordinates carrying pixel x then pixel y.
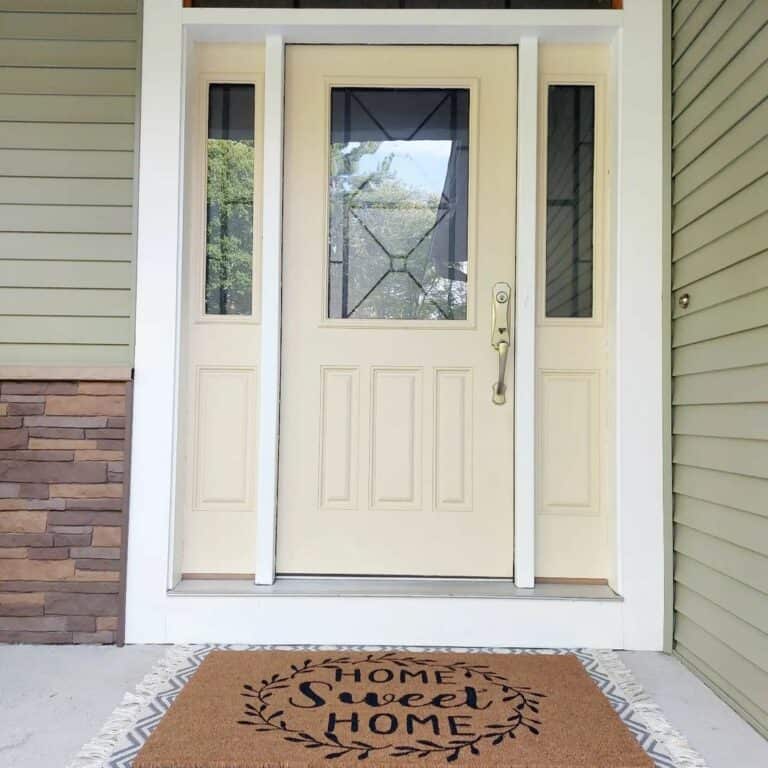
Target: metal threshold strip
{"type": "Point", "coordinates": [391, 588]}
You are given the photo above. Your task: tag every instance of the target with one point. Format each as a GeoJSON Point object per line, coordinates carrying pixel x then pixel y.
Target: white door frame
{"type": "Point", "coordinates": [636, 37]}
{"type": "Point", "coordinates": [271, 315]}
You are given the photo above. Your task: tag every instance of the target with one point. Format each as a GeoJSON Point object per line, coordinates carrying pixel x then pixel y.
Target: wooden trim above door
{"type": "Point", "coordinates": [596, 5]}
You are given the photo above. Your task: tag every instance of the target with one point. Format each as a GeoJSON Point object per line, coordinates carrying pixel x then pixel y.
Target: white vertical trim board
{"type": "Point", "coordinates": [157, 277]}
{"type": "Point", "coordinates": [639, 399]}
{"type": "Point", "coordinates": [613, 125]}
{"type": "Point", "coordinates": [155, 616]}
{"type": "Point", "coordinates": [176, 542]}
{"type": "Point", "coordinates": [525, 312]}
{"type": "Point", "coordinates": [269, 390]}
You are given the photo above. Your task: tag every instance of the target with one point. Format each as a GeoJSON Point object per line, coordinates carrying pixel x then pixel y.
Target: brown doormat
{"type": "Point", "coordinates": [286, 709]}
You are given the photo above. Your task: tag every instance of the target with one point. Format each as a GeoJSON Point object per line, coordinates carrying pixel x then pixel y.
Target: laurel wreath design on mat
{"type": "Point", "coordinates": [523, 704]}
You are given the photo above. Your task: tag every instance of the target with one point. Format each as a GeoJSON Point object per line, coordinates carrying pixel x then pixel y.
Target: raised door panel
{"type": "Point", "coordinates": [569, 434]}
{"type": "Point", "coordinates": [339, 437]}
{"type": "Point", "coordinates": [396, 438]}
{"type": "Point", "coordinates": [453, 430]}
{"type": "Point", "coordinates": [225, 437]}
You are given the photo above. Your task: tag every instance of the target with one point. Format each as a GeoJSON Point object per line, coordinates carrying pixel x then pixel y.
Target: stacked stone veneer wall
{"type": "Point", "coordinates": [63, 454]}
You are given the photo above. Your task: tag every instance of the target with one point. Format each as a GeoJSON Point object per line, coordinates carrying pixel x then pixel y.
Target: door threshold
{"type": "Point", "coordinates": [405, 588]}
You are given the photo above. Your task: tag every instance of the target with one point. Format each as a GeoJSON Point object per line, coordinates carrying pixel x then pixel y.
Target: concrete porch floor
{"type": "Point", "coordinates": [54, 698]}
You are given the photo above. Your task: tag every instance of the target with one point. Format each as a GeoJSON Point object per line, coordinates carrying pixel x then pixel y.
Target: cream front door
{"type": "Point", "coordinates": [398, 280]}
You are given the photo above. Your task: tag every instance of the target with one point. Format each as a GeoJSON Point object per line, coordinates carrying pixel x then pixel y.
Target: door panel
{"type": "Point", "coordinates": [225, 425]}
{"type": "Point", "coordinates": [574, 420]}
{"type": "Point", "coordinates": [569, 442]}
{"type": "Point", "coordinates": [399, 221]}
{"type": "Point", "coordinates": [339, 433]}
{"type": "Point", "coordinates": [221, 337]}
{"type": "Point", "coordinates": [453, 439]}
{"type": "Point", "coordinates": [396, 440]}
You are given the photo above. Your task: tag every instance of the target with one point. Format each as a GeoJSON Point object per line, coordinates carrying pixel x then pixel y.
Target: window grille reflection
{"type": "Point", "coordinates": [398, 195]}
{"type": "Point", "coordinates": [570, 171]}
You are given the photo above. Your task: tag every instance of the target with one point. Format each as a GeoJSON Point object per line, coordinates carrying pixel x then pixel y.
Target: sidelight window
{"type": "Point", "coordinates": [570, 201]}
{"type": "Point", "coordinates": [229, 200]}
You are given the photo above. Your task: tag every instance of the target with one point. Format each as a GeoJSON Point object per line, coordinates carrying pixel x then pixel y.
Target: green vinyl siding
{"type": "Point", "coordinates": [719, 136]}
{"type": "Point", "coordinates": [68, 91]}
{"type": "Point", "coordinates": [46, 80]}
{"type": "Point", "coordinates": [25, 25]}
{"type": "Point", "coordinates": [22, 190]}
{"type": "Point", "coordinates": [18, 135]}
{"type": "Point", "coordinates": [71, 6]}
{"type": "Point", "coordinates": [91, 54]}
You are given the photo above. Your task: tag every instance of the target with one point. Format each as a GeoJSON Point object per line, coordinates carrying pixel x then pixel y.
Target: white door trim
{"type": "Point", "coordinates": [637, 36]}
{"type": "Point", "coordinates": [525, 311]}
{"type": "Point", "coordinates": [271, 276]}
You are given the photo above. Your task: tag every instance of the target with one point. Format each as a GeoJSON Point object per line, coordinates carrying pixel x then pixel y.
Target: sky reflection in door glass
{"type": "Point", "coordinates": [398, 203]}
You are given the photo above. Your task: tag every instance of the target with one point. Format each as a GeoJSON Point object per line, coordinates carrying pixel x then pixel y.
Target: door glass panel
{"type": "Point", "coordinates": [229, 197]}
{"type": "Point", "coordinates": [570, 170]}
{"type": "Point", "coordinates": [398, 192]}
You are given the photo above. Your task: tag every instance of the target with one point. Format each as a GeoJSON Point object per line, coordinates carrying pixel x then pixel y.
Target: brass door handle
{"type": "Point", "coordinates": [501, 337]}
{"type": "Point", "coordinates": [500, 388]}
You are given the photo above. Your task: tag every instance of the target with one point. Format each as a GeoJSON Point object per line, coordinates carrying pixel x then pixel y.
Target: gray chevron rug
{"type": "Point", "coordinates": [131, 724]}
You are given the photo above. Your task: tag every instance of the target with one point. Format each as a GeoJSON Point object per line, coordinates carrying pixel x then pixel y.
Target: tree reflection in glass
{"type": "Point", "coordinates": [398, 203]}
{"type": "Point", "coordinates": [229, 224]}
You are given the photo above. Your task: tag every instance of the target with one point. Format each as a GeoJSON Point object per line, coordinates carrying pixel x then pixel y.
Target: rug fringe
{"type": "Point", "coordinates": [678, 747]}
{"type": "Point", "coordinates": [98, 750]}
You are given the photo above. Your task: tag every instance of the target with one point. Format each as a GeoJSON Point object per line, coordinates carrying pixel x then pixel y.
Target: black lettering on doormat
{"type": "Point", "coordinates": [391, 704]}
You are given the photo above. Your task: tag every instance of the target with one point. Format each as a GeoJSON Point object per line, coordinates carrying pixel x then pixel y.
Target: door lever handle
{"type": "Point", "coordinates": [501, 337]}
{"type": "Point", "coordinates": [500, 388]}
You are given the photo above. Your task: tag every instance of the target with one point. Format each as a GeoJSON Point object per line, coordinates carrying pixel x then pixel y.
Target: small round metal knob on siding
{"type": "Point", "coordinates": [684, 301]}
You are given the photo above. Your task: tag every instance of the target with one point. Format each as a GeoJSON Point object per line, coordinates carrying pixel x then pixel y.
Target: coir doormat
{"type": "Point", "coordinates": [286, 709]}
{"type": "Point", "coordinates": [142, 709]}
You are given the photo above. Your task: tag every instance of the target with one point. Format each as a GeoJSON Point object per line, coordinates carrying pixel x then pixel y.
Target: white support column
{"type": "Point", "coordinates": [269, 389]}
{"type": "Point", "coordinates": [639, 412]}
{"type": "Point", "coordinates": [157, 282]}
{"type": "Point", "coordinates": [525, 312]}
